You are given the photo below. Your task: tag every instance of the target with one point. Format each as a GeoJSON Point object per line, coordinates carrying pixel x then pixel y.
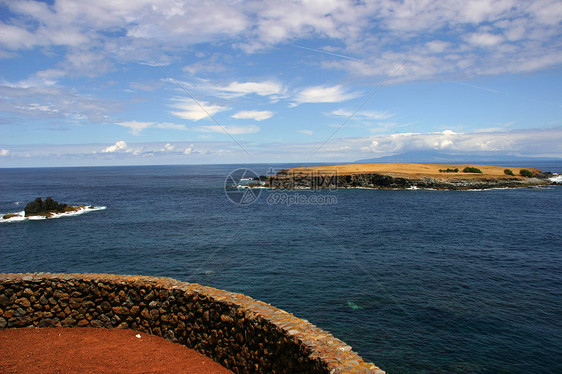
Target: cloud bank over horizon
{"type": "Point", "coordinates": [492, 144]}
{"type": "Point", "coordinates": [219, 81]}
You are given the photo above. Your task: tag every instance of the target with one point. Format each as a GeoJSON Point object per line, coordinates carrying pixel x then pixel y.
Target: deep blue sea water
{"type": "Point", "coordinates": [415, 281]}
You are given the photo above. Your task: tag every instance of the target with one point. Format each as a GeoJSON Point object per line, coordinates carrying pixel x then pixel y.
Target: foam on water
{"type": "Point", "coordinates": [556, 178]}
{"type": "Point", "coordinates": [20, 216]}
{"type": "Point", "coordinates": [491, 189]}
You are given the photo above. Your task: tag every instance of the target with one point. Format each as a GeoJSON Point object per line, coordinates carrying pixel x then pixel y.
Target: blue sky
{"type": "Point", "coordinates": [104, 82]}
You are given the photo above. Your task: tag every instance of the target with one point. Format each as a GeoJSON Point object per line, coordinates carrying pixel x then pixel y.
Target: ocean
{"type": "Point", "coordinates": [416, 281]}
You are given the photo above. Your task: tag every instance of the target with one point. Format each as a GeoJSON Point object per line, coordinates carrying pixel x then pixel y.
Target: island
{"type": "Point", "coordinates": [408, 176]}
{"type": "Point", "coordinates": [49, 207]}
{"type": "Point", "coordinates": [46, 208]}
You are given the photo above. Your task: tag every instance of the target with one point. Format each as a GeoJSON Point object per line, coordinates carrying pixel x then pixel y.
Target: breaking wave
{"type": "Point", "coordinates": [556, 178]}
{"type": "Point", "coordinates": [20, 216]}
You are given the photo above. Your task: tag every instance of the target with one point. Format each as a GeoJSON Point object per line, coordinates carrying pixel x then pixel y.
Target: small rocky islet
{"type": "Point", "coordinates": [46, 208]}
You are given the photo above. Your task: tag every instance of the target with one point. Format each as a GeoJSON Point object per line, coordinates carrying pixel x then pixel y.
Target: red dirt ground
{"type": "Point", "coordinates": [92, 350]}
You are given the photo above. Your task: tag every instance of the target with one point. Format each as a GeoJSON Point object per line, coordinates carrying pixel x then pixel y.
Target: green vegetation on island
{"type": "Point", "coordinates": [470, 169]}
{"type": "Point", "coordinates": [526, 173]}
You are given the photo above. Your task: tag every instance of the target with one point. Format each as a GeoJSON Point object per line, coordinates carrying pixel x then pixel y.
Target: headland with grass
{"type": "Point", "coordinates": [409, 175]}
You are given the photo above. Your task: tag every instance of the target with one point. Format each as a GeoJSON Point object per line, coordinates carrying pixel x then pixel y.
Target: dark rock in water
{"type": "Point", "coordinates": [544, 175]}
{"type": "Point", "coordinates": [38, 206]}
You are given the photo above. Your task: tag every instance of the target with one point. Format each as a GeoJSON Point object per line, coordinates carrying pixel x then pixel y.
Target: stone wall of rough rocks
{"type": "Point", "coordinates": [244, 335]}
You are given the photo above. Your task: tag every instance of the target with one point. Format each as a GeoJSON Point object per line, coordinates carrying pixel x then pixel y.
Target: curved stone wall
{"type": "Point", "coordinates": [243, 334]}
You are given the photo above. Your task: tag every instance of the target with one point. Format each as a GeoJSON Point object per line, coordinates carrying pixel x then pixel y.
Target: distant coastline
{"type": "Point", "coordinates": [410, 175]}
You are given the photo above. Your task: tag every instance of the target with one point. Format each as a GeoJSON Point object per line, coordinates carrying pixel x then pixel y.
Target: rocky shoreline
{"type": "Point", "coordinates": [312, 178]}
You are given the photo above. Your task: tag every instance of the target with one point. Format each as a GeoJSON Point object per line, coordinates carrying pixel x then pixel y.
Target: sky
{"type": "Point", "coordinates": [118, 82]}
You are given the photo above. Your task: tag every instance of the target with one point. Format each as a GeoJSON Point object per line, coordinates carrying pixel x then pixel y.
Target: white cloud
{"type": "Point", "coordinates": [36, 107]}
{"type": "Point", "coordinates": [14, 37]}
{"type": "Point", "coordinates": [277, 22]}
{"type": "Point", "coordinates": [188, 109]}
{"type": "Point", "coordinates": [123, 150]}
{"type": "Point", "coordinates": [439, 40]}
{"type": "Point", "coordinates": [530, 142]}
{"type": "Point", "coordinates": [90, 63]}
{"type": "Point", "coordinates": [170, 126]}
{"type": "Point", "coordinates": [372, 115]}
{"type": "Point", "coordinates": [4, 152]}
{"type": "Point", "coordinates": [324, 94]}
{"type": "Point", "coordinates": [485, 39]}
{"type": "Point", "coordinates": [192, 21]}
{"type": "Point", "coordinates": [41, 96]}
{"type": "Point", "coordinates": [306, 132]}
{"type": "Point", "coordinates": [205, 87]}
{"type": "Point", "coordinates": [253, 114]}
{"type": "Point", "coordinates": [94, 34]}
{"type": "Point", "coordinates": [189, 150]}
{"type": "Point", "coordinates": [168, 147]}
{"type": "Point", "coordinates": [210, 65]}
{"type": "Point", "coordinates": [437, 46]}
{"type": "Point", "coordinates": [231, 130]}
{"type": "Point", "coordinates": [517, 36]}
{"type": "Point", "coordinates": [137, 127]}
{"type": "Point", "coordinates": [504, 142]}
{"type": "Point", "coordinates": [477, 10]}
{"type": "Point", "coordinates": [260, 88]}
{"type": "Point", "coordinates": [119, 146]}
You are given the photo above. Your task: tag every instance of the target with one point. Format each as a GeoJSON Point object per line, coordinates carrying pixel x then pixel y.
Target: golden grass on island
{"type": "Point", "coordinates": [412, 170]}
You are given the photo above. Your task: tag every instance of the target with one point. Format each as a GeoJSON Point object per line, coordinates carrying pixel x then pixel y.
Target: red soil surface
{"type": "Point", "coordinates": [91, 350]}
